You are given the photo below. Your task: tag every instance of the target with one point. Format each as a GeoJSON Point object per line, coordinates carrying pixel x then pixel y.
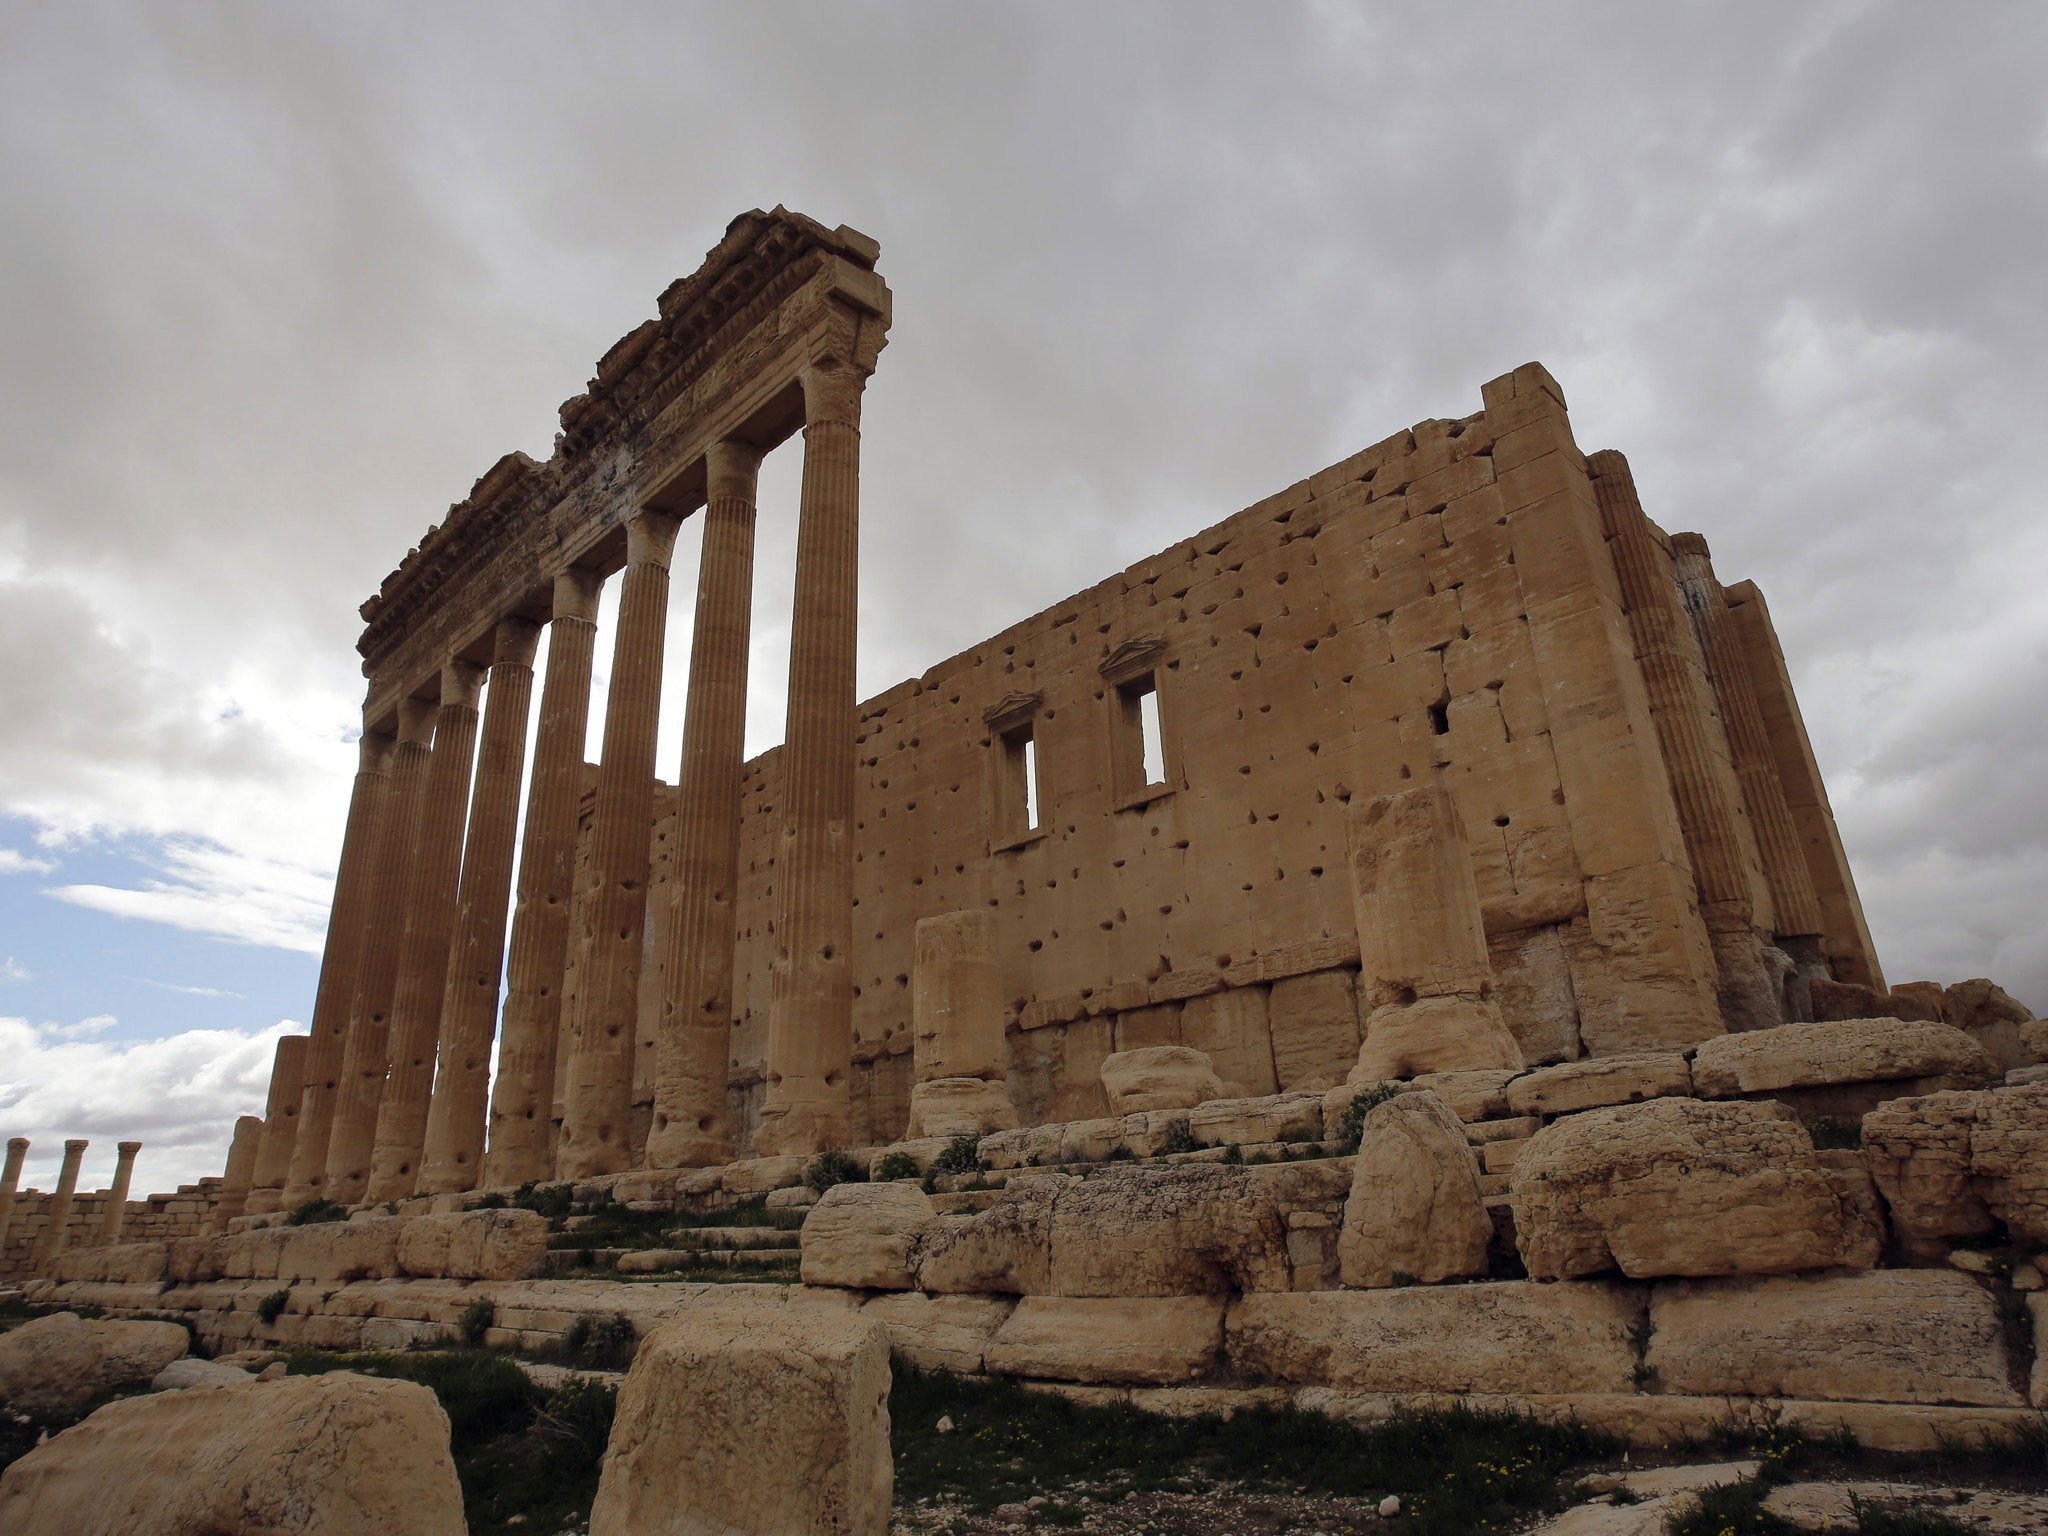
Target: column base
{"type": "Point", "coordinates": [802, 1130]}
{"type": "Point", "coordinates": [1435, 1034]}
{"type": "Point", "coordinates": [682, 1148]}
{"type": "Point", "coordinates": [262, 1202]}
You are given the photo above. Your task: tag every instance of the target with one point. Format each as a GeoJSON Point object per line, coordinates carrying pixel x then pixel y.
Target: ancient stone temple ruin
{"type": "Point", "coordinates": [1420, 875]}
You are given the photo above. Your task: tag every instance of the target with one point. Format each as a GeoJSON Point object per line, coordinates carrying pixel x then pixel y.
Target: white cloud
{"type": "Point", "coordinates": [12, 969]}
{"type": "Point", "coordinates": [172, 986]}
{"type": "Point", "coordinates": [178, 1096]}
{"type": "Point", "coordinates": [221, 892]}
{"type": "Point", "coordinates": [84, 1029]}
{"type": "Point", "coordinates": [14, 862]}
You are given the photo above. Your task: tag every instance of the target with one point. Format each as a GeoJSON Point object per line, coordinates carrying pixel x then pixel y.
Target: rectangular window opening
{"type": "Point", "coordinates": [1017, 797]}
{"type": "Point", "coordinates": [1155, 744]}
{"type": "Point", "coordinates": [1138, 752]}
{"type": "Point", "coordinates": [1030, 783]}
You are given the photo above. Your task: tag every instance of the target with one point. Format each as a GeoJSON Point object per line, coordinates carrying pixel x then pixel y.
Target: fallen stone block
{"type": "Point", "coordinates": [309, 1455]}
{"type": "Point", "coordinates": [191, 1372]}
{"type": "Point", "coordinates": [865, 1236]}
{"type": "Point", "coordinates": [1188, 1230]}
{"type": "Point", "coordinates": [755, 1422]}
{"type": "Point", "coordinates": [1032, 1146]}
{"type": "Point", "coordinates": [1599, 1082]}
{"type": "Point", "coordinates": [1503, 1336]}
{"type": "Point", "coordinates": [1414, 1209]}
{"type": "Point", "coordinates": [1159, 1077]}
{"type": "Point", "coordinates": [1683, 1187]}
{"type": "Point", "coordinates": [1950, 1165]}
{"type": "Point", "coordinates": [1898, 1336]}
{"type": "Point", "coordinates": [1006, 1249]}
{"type": "Point", "coordinates": [50, 1364]}
{"type": "Point", "coordinates": [1844, 1051]}
{"type": "Point", "coordinates": [132, 1352]}
{"type": "Point", "coordinates": [1471, 1095]}
{"type": "Point", "coordinates": [1275, 1117]}
{"type": "Point", "coordinates": [1123, 1340]}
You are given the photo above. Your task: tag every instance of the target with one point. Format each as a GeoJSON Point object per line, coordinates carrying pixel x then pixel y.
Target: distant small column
{"type": "Point", "coordinates": [10, 1181]}
{"type": "Point", "coordinates": [476, 964]}
{"type": "Point", "coordinates": [235, 1178]}
{"type": "Point", "coordinates": [280, 1125]}
{"type": "Point", "coordinates": [808, 1104]}
{"type": "Point", "coordinates": [694, 1046]}
{"type": "Point", "coordinates": [366, 1059]}
{"type": "Point", "coordinates": [429, 929]}
{"type": "Point", "coordinates": [56, 1233]}
{"type": "Point", "coordinates": [117, 1197]}
{"type": "Point", "coordinates": [1425, 980]}
{"type": "Point", "coordinates": [354, 884]}
{"type": "Point", "coordinates": [597, 1124]}
{"type": "Point", "coordinates": [956, 1029]}
{"type": "Point", "coordinates": [522, 1099]}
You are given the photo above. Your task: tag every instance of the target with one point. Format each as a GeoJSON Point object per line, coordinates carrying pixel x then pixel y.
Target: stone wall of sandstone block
{"type": "Point", "coordinates": [156, 1218]}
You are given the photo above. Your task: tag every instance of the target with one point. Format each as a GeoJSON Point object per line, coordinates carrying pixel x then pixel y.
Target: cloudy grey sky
{"type": "Point", "coordinates": [278, 282]}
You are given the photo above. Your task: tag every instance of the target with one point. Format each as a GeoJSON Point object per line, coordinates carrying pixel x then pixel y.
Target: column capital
{"type": "Point", "coordinates": [576, 592]}
{"type": "Point", "coordinates": [514, 641]}
{"type": "Point", "coordinates": [416, 720]}
{"type": "Point", "coordinates": [832, 390]}
{"type": "Point", "coordinates": [72, 1148]}
{"type": "Point", "coordinates": [651, 537]}
{"type": "Point", "coordinates": [373, 751]}
{"type": "Point", "coordinates": [462, 682]}
{"type": "Point", "coordinates": [17, 1143]}
{"type": "Point", "coordinates": [731, 469]}
{"type": "Point", "coordinates": [128, 1148]}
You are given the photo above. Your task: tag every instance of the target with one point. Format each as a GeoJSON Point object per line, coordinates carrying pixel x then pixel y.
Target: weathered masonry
{"type": "Point", "coordinates": [1446, 756]}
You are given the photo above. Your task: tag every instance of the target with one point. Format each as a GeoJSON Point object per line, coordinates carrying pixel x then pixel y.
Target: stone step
{"type": "Point", "coordinates": [1520, 1128]}
{"type": "Point", "coordinates": [1499, 1156]}
{"type": "Point", "coordinates": [647, 1261]}
{"type": "Point", "coordinates": [732, 1237]}
{"type": "Point", "coordinates": [1491, 1184]}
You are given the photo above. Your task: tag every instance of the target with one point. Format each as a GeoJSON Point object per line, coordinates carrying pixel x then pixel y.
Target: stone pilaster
{"type": "Point", "coordinates": [469, 1004]}
{"type": "Point", "coordinates": [956, 1029]}
{"type": "Point", "coordinates": [347, 922]}
{"type": "Point", "coordinates": [694, 1045]}
{"type": "Point", "coordinates": [10, 1182]}
{"type": "Point", "coordinates": [523, 1097]}
{"type": "Point", "coordinates": [808, 1101]}
{"type": "Point", "coordinates": [238, 1175]}
{"type": "Point", "coordinates": [1792, 897]}
{"type": "Point", "coordinates": [280, 1125]}
{"type": "Point", "coordinates": [596, 1128]}
{"type": "Point", "coordinates": [116, 1212]}
{"type": "Point", "coordinates": [429, 929]}
{"type": "Point", "coordinates": [365, 1062]}
{"type": "Point", "coordinates": [56, 1234]}
{"type": "Point", "coordinates": [1425, 982]}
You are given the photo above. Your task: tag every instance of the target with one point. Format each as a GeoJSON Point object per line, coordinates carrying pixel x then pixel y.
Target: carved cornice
{"type": "Point", "coordinates": [1011, 711]}
{"type": "Point", "coordinates": [1134, 658]}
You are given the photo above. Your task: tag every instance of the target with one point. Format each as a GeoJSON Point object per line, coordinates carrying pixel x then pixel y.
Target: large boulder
{"type": "Point", "coordinates": [135, 1352]}
{"type": "Point", "coordinates": [1005, 1249]}
{"type": "Point", "coordinates": [50, 1365]}
{"type": "Point", "coordinates": [474, 1245]}
{"type": "Point", "coordinates": [1177, 1231]}
{"type": "Point", "coordinates": [1682, 1187]}
{"type": "Point", "coordinates": [1152, 1341]}
{"type": "Point", "coordinates": [1951, 1165]}
{"type": "Point", "coordinates": [752, 1422]}
{"type": "Point", "coordinates": [959, 1106]}
{"type": "Point", "coordinates": [1842, 1051]}
{"type": "Point", "coordinates": [1159, 1077]}
{"type": "Point", "coordinates": [865, 1235]}
{"type": "Point", "coordinates": [1889, 1336]}
{"type": "Point", "coordinates": [331, 1455]}
{"type": "Point", "coordinates": [1503, 1336]}
{"type": "Point", "coordinates": [1414, 1209]}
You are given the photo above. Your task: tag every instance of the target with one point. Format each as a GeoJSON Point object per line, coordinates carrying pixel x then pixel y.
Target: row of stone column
{"type": "Point", "coordinates": [388, 1096]}
{"type": "Point", "coordinates": [56, 1234]}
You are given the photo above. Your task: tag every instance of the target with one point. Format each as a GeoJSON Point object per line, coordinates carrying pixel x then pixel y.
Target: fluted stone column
{"type": "Point", "coordinates": [240, 1171]}
{"type": "Point", "coordinates": [56, 1234]}
{"type": "Point", "coordinates": [808, 1104]}
{"type": "Point", "coordinates": [10, 1181]}
{"type": "Point", "coordinates": [429, 930]}
{"type": "Point", "coordinates": [365, 1061]}
{"type": "Point", "coordinates": [522, 1099]}
{"type": "Point", "coordinates": [956, 1029]}
{"type": "Point", "coordinates": [1425, 980]}
{"type": "Point", "coordinates": [469, 1003]}
{"type": "Point", "coordinates": [349, 918]}
{"type": "Point", "coordinates": [694, 1046]}
{"type": "Point", "coordinates": [116, 1213]}
{"type": "Point", "coordinates": [596, 1128]}
{"type": "Point", "coordinates": [1797, 909]}
{"type": "Point", "coordinates": [280, 1125]}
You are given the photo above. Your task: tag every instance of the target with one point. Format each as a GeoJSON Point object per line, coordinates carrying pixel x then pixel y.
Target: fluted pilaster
{"type": "Point", "coordinates": [429, 930]}
{"type": "Point", "coordinates": [808, 1103]}
{"type": "Point", "coordinates": [280, 1124]}
{"type": "Point", "coordinates": [238, 1175]}
{"type": "Point", "coordinates": [365, 1061]}
{"type": "Point", "coordinates": [116, 1213]}
{"type": "Point", "coordinates": [694, 1048]}
{"type": "Point", "coordinates": [596, 1129]}
{"type": "Point", "coordinates": [56, 1234]}
{"type": "Point", "coordinates": [469, 1004]}
{"type": "Point", "coordinates": [522, 1099]}
{"type": "Point", "coordinates": [334, 1000]}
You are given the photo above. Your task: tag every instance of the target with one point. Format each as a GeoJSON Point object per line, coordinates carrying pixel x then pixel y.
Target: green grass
{"type": "Point", "coordinates": [1459, 1471]}
{"type": "Point", "coordinates": [315, 1212]}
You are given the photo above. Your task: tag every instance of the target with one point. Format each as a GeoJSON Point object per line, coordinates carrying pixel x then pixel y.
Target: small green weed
{"type": "Point", "coordinates": [1832, 1135]}
{"type": "Point", "coordinates": [893, 1165]}
{"type": "Point", "coordinates": [962, 1155]}
{"type": "Point", "coordinates": [478, 1318]}
{"type": "Point", "coordinates": [1363, 1103]}
{"type": "Point", "coordinates": [830, 1168]}
{"type": "Point", "coordinates": [272, 1306]}
{"type": "Point", "coordinates": [315, 1212]}
{"type": "Point", "coordinates": [1179, 1139]}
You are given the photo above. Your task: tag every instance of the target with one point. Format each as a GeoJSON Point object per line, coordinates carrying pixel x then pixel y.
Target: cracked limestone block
{"type": "Point", "coordinates": [1414, 1207]}
{"type": "Point", "coordinates": [50, 1364]}
{"type": "Point", "coordinates": [1031, 1146]}
{"type": "Point", "coordinates": [474, 1245]}
{"type": "Point", "coordinates": [1159, 1077]}
{"type": "Point", "coordinates": [752, 1420]}
{"type": "Point", "coordinates": [1314, 1020]}
{"type": "Point", "coordinates": [1005, 1249]}
{"type": "Point", "coordinates": [1198, 1228]}
{"type": "Point", "coordinates": [959, 1106]}
{"type": "Point", "coordinates": [939, 1333]}
{"type": "Point", "coordinates": [1950, 1164]}
{"type": "Point", "coordinates": [365, 1249]}
{"type": "Point", "coordinates": [1500, 1336]}
{"type": "Point", "coordinates": [1599, 1082]}
{"type": "Point", "coordinates": [1842, 1051]}
{"type": "Point", "coordinates": [1113, 1340]}
{"type": "Point", "coordinates": [865, 1236]}
{"type": "Point", "coordinates": [1889, 1336]}
{"type": "Point", "coordinates": [1274, 1117]}
{"type": "Point", "coordinates": [1683, 1187]}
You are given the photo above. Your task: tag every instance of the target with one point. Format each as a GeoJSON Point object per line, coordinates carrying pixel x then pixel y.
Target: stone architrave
{"type": "Point", "coordinates": [1425, 982]}
{"type": "Point", "coordinates": [116, 1212]}
{"type": "Point", "coordinates": [956, 1025]}
{"type": "Point", "coordinates": [429, 926]}
{"type": "Point", "coordinates": [56, 1233]}
{"type": "Point", "coordinates": [365, 1061]}
{"type": "Point", "coordinates": [596, 1126]}
{"type": "Point", "coordinates": [10, 1181]}
{"type": "Point", "coordinates": [808, 1105]}
{"type": "Point", "coordinates": [522, 1096]}
{"type": "Point", "coordinates": [694, 1047]}
{"type": "Point", "coordinates": [280, 1125]}
{"type": "Point", "coordinates": [454, 1135]}
{"type": "Point", "coordinates": [241, 1168]}
{"type": "Point", "coordinates": [340, 963]}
